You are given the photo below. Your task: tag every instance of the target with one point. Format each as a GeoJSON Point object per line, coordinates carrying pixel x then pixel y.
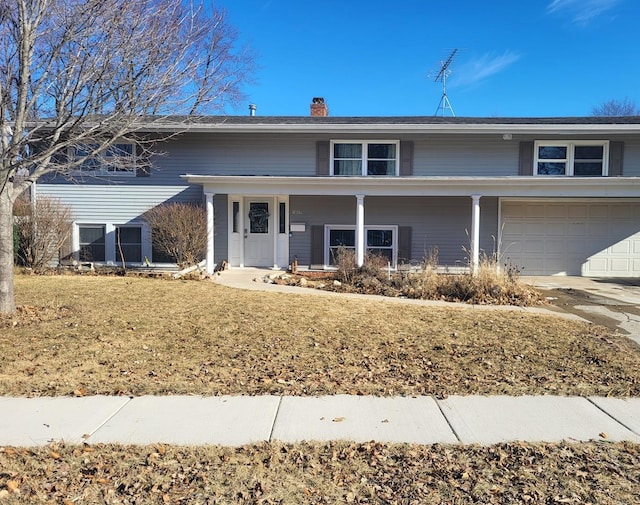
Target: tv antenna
{"type": "Point", "coordinates": [442, 75]}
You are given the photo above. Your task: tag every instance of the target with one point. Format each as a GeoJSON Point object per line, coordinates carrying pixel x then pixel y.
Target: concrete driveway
{"type": "Point", "coordinates": [614, 303]}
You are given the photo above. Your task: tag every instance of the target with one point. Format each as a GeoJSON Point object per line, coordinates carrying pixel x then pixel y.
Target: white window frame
{"type": "Point", "coordinates": [365, 159]}
{"type": "Point", "coordinates": [570, 159]}
{"type": "Point", "coordinates": [101, 172]}
{"type": "Point", "coordinates": [77, 244]}
{"type": "Point", "coordinates": [137, 226]}
{"type": "Point", "coordinates": [110, 244]}
{"type": "Point", "coordinates": [329, 227]}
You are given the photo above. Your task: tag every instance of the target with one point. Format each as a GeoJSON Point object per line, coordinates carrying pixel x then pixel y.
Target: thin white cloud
{"type": "Point", "coordinates": [472, 72]}
{"type": "Point", "coordinates": [581, 12]}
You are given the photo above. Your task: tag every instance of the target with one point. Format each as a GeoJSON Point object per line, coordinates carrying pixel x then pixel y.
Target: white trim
{"type": "Point", "coordinates": [360, 231]}
{"type": "Point", "coordinates": [570, 159]}
{"type": "Point", "coordinates": [234, 239]}
{"type": "Point", "coordinates": [210, 233]}
{"type": "Point", "coordinates": [281, 240]}
{"type": "Point", "coordinates": [110, 254]}
{"type": "Point", "coordinates": [329, 227]}
{"type": "Point", "coordinates": [420, 126]}
{"type": "Point", "coordinates": [509, 186]}
{"type": "Point", "coordinates": [475, 233]}
{"type": "Point", "coordinates": [364, 159]}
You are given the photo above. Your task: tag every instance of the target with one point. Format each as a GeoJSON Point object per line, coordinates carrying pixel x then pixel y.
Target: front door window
{"type": "Point", "coordinates": [259, 217]}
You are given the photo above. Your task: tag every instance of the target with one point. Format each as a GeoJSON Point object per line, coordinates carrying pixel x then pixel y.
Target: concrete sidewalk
{"type": "Point", "coordinates": [239, 420]}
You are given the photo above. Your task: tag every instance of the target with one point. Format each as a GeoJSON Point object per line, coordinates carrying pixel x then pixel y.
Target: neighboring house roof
{"type": "Point", "coordinates": [372, 124]}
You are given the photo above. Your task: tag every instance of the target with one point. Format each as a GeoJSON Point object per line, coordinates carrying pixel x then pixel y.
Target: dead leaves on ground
{"type": "Point", "coordinates": [111, 335]}
{"type": "Point", "coordinates": [323, 473]}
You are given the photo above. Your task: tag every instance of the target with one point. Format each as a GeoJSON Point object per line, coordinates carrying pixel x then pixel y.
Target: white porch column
{"type": "Point", "coordinates": [360, 230]}
{"type": "Point", "coordinates": [210, 233]}
{"type": "Point", "coordinates": [475, 233]}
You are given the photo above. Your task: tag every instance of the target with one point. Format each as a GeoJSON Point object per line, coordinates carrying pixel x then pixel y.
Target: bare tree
{"type": "Point", "coordinates": [78, 77]}
{"type": "Point", "coordinates": [612, 108]}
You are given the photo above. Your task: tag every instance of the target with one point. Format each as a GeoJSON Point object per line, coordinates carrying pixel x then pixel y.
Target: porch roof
{"type": "Point", "coordinates": [511, 186]}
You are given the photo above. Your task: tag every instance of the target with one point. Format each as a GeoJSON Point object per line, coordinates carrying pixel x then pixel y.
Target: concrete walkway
{"type": "Point", "coordinates": [239, 420]}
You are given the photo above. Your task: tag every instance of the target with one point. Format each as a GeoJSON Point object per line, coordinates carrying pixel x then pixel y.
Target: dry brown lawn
{"type": "Point", "coordinates": [126, 335]}
{"type": "Point", "coordinates": [330, 473]}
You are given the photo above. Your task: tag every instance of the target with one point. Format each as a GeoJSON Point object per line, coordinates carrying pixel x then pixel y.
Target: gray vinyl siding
{"type": "Point", "coordinates": [631, 158]}
{"type": "Point", "coordinates": [295, 155]}
{"type": "Point", "coordinates": [116, 204]}
{"type": "Point", "coordinates": [221, 228]}
{"type": "Point", "coordinates": [471, 155]}
{"type": "Point", "coordinates": [235, 154]}
{"type": "Point", "coordinates": [442, 222]}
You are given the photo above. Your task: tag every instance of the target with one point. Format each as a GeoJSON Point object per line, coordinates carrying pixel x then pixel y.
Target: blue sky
{"type": "Point", "coordinates": [375, 57]}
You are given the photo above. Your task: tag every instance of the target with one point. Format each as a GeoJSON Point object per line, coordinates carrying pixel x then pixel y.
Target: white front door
{"type": "Point", "coordinates": [258, 232]}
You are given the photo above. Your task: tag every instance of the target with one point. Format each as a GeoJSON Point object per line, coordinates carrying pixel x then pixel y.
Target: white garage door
{"type": "Point", "coordinates": [597, 239]}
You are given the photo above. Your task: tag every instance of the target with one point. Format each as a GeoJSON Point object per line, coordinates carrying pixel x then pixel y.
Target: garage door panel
{"type": "Point", "coordinates": [533, 247]}
{"type": "Point", "coordinates": [623, 247]}
{"type": "Point", "coordinates": [620, 265]}
{"type": "Point", "coordinates": [577, 228]}
{"type": "Point", "coordinates": [555, 211]}
{"type": "Point", "coordinates": [597, 266]}
{"type": "Point", "coordinates": [598, 229]}
{"type": "Point", "coordinates": [577, 211]}
{"type": "Point", "coordinates": [515, 228]}
{"type": "Point", "coordinates": [621, 212]}
{"type": "Point", "coordinates": [511, 247]}
{"type": "Point", "coordinates": [573, 238]}
{"type": "Point", "coordinates": [556, 228]}
{"type": "Point", "coordinates": [576, 246]}
{"type": "Point", "coordinates": [535, 211]}
{"type": "Point", "coordinates": [599, 211]}
{"type": "Point", "coordinates": [534, 228]}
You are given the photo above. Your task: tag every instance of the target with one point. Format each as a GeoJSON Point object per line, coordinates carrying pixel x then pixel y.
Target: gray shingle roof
{"type": "Point", "coordinates": [399, 120]}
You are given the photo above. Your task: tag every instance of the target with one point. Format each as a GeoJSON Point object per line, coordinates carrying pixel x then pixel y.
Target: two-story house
{"type": "Point", "coordinates": [549, 195]}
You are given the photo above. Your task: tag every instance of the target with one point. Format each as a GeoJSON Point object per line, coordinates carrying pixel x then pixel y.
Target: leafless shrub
{"type": "Point", "coordinates": [489, 284]}
{"type": "Point", "coordinates": [180, 231]}
{"type": "Point", "coordinates": [42, 229]}
{"type": "Point", "coordinates": [345, 261]}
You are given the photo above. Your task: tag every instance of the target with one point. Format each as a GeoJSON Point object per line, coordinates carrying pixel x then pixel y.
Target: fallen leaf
{"type": "Point", "coordinates": [604, 435]}
{"type": "Point", "coordinates": [13, 485]}
{"type": "Point", "coordinates": [54, 455]}
{"type": "Point", "coordinates": [338, 419]}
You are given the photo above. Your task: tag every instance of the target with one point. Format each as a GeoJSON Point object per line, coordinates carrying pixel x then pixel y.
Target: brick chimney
{"type": "Point", "coordinates": [318, 107]}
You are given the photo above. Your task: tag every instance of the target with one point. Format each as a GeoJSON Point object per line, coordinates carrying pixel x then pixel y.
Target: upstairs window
{"type": "Point", "coordinates": [118, 159]}
{"type": "Point", "coordinates": [579, 159]}
{"type": "Point", "coordinates": [373, 158]}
